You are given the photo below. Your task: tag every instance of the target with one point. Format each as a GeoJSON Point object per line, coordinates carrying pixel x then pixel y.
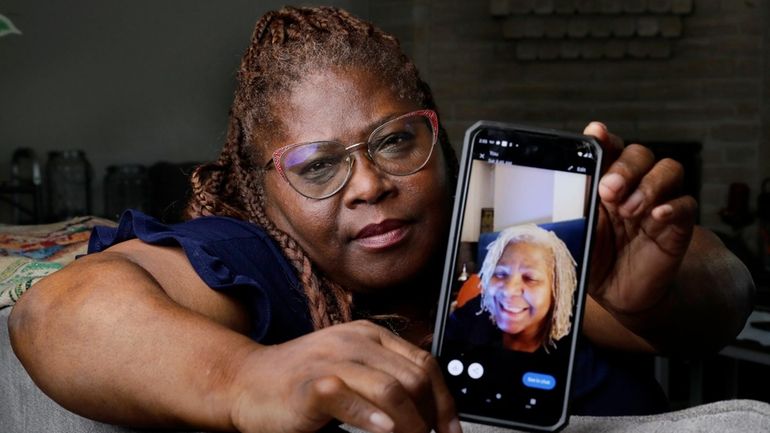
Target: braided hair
{"type": "Point", "coordinates": [286, 46]}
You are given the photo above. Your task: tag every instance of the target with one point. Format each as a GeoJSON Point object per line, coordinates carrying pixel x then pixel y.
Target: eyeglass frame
{"type": "Point", "coordinates": [275, 160]}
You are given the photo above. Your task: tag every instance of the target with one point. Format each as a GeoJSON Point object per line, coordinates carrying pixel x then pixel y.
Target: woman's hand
{"type": "Point", "coordinates": [357, 373]}
{"type": "Point", "coordinates": [644, 226]}
{"type": "Point", "coordinates": [653, 272]}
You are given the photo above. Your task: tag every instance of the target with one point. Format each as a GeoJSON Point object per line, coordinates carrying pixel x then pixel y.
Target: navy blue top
{"type": "Point", "coordinates": [230, 256]}
{"type": "Point", "coordinates": [238, 257]}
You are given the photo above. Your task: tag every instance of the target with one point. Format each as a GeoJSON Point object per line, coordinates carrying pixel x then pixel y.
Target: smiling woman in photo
{"type": "Point", "coordinates": [527, 287]}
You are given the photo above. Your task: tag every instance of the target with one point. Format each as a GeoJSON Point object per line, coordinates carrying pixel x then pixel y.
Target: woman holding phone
{"type": "Point", "coordinates": [328, 203]}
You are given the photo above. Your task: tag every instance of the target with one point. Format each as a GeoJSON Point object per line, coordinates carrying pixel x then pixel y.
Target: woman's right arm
{"type": "Point", "coordinates": [132, 336]}
{"type": "Point", "coordinates": [103, 338]}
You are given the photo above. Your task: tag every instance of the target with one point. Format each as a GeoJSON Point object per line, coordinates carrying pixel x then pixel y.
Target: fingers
{"type": "Point", "coordinates": [331, 395]}
{"type": "Point", "coordinates": [671, 224]}
{"type": "Point", "coordinates": [635, 184]}
{"type": "Point", "coordinates": [625, 173]}
{"type": "Point", "coordinates": [443, 403]}
{"type": "Point", "coordinates": [612, 145]}
{"type": "Point", "coordinates": [608, 140]}
{"type": "Point", "coordinates": [389, 375]}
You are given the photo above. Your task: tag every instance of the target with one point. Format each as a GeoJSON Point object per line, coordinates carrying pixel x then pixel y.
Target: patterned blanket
{"type": "Point", "coordinates": [29, 253]}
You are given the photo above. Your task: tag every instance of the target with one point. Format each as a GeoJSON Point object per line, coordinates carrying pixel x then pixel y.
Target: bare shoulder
{"type": "Point", "coordinates": [705, 238]}
{"type": "Point", "coordinates": [708, 251]}
{"type": "Point", "coordinates": [137, 266]}
{"type": "Point", "coordinates": [167, 265]}
{"type": "Point", "coordinates": [173, 272]}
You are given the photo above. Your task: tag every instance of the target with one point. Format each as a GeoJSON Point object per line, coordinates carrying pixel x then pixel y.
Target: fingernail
{"type": "Point", "coordinates": [454, 426]}
{"type": "Point", "coordinates": [634, 203]}
{"type": "Point", "coordinates": [600, 125]}
{"type": "Point", "coordinates": [382, 421]}
{"type": "Point", "coordinates": [614, 182]}
{"type": "Point", "coordinates": [662, 212]}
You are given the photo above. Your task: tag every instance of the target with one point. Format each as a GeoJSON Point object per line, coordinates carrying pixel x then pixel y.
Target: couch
{"type": "Point", "coordinates": [24, 408]}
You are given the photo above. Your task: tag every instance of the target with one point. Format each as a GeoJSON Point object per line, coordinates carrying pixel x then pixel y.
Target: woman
{"type": "Point", "coordinates": [527, 284]}
{"type": "Point", "coordinates": [136, 335]}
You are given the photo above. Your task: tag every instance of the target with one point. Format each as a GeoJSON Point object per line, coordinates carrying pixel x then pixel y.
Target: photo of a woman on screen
{"type": "Point", "coordinates": [527, 284]}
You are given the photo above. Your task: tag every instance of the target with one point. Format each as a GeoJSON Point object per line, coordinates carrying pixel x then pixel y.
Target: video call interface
{"type": "Point", "coordinates": [520, 245]}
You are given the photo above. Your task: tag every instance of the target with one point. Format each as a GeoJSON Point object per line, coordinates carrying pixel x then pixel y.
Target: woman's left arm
{"type": "Point", "coordinates": [653, 271]}
{"type": "Point", "coordinates": [707, 304]}
{"type": "Point", "coordinates": [703, 309]}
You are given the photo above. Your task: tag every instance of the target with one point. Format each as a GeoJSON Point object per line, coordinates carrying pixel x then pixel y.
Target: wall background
{"type": "Point", "coordinates": [144, 81]}
{"type": "Point", "coordinates": [713, 90]}
{"type": "Point", "coordinates": [134, 81]}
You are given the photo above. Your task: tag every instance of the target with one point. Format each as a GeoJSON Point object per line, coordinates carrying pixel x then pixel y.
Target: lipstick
{"type": "Point", "coordinates": [382, 235]}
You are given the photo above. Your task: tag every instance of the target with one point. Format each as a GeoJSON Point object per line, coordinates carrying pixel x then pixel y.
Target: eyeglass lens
{"type": "Point", "coordinates": [399, 147]}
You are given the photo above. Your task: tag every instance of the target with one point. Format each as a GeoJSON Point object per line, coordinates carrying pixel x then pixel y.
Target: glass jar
{"type": "Point", "coordinates": [26, 187]}
{"type": "Point", "coordinates": [125, 186]}
{"type": "Point", "coordinates": [69, 184]}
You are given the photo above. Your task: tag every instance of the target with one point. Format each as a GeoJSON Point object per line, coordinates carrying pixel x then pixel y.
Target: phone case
{"type": "Point", "coordinates": [475, 356]}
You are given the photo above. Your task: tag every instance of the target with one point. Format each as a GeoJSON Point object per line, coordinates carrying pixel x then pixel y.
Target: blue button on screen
{"type": "Point", "coordinates": [539, 381]}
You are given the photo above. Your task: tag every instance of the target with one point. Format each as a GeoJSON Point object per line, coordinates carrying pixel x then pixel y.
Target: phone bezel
{"type": "Point", "coordinates": [449, 267]}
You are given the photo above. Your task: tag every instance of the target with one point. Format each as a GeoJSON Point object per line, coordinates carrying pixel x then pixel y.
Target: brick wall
{"type": "Point", "coordinates": [712, 88]}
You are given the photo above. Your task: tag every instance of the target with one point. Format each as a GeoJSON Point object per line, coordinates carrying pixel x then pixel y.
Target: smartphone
{"type": "Point", "coordinates": [516, 269]}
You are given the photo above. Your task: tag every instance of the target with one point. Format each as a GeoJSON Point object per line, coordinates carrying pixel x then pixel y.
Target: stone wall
{"type": "Point", "coordinates": [711, 87]}
{"type": "Point", "coordinates": [117, 92]}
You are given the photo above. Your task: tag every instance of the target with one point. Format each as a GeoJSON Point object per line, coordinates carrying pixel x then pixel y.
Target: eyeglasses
{"type": "Point", "coordinates": [400, 147]}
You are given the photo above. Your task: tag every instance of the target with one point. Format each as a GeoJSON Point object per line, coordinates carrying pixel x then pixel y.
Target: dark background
{"type": "Point", "coordinates": [146, 81]}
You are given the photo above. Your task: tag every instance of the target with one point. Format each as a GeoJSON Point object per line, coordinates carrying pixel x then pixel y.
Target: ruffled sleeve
{"type": "Point", "coordinates": [229, 255]}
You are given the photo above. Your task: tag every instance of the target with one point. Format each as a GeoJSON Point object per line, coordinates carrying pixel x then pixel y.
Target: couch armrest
{"type": "Point", "coordinates": [25, 408]}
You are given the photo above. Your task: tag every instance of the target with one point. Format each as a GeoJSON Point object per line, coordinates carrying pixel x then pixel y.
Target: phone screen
{"type": "Point", "coordinates": [516, 267]}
